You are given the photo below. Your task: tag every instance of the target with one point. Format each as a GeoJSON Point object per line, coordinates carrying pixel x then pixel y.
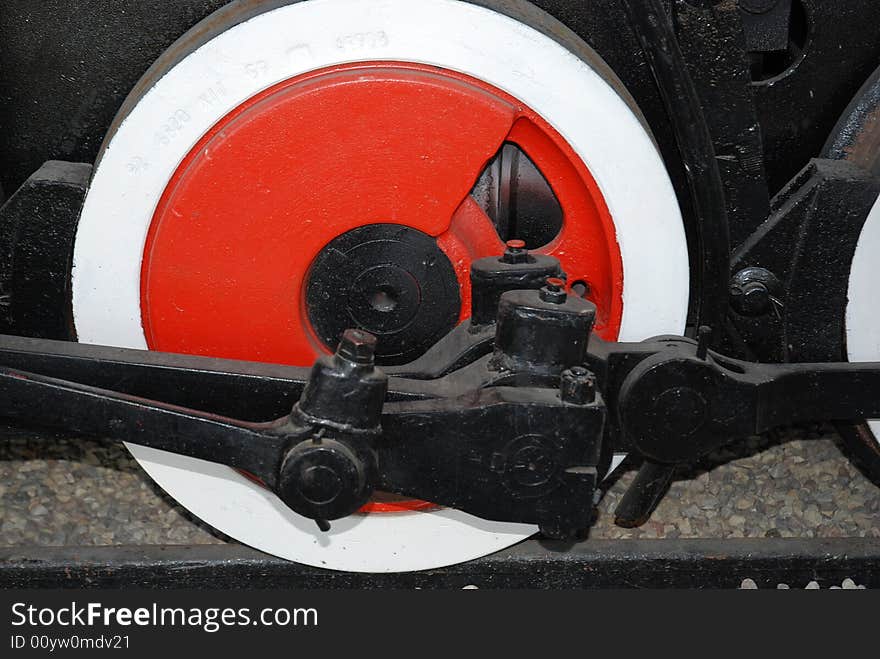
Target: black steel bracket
{"type": "Point", "coordinates": [696, 563]}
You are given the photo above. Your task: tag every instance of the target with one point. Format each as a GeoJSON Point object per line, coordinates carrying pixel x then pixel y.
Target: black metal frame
{"type": "Point", "coordinates": [700, 563]}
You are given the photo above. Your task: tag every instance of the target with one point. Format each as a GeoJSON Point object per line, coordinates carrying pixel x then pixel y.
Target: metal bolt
{"type": "Point", "coordinates": [323, 481]}
{"type": "Point", "coordinates": [578, 386]}
{"type": "Point", "coordinates": [752, 291]}
{"type": "Point", "coordinates": [357, 346]}
{"type": "Point", "coordinates": [554, 291]}
{"type": "Point", "coordinates": [516, 252]}
{"type": "Point", "coordinates": [750, 299]}
{"type": "Point", "coordinates": [756, 298]}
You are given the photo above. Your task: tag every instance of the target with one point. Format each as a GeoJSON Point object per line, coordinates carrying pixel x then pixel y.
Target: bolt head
{"type": "Point", "coordinates": [554, 291]}
{"type": "Point", "coordinates": [323, 480]}
{"type": "Point", "coordinates": [578, 386]}
{"type": "Point", "coordinates": [516, 252]}
{"type": "Point", "coordinates": [751, 298]}
{"type": "Point", "coordinates": [357, 346]}
{"type": "Point", "coordinates": [752, 291]}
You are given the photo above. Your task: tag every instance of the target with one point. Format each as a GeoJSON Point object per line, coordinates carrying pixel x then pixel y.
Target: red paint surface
{"type": "Point", "coordinates": [239, 224]}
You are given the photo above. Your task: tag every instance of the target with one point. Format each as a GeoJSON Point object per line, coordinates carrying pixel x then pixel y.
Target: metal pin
{"type": "Point", "coordinates": [704, 337]}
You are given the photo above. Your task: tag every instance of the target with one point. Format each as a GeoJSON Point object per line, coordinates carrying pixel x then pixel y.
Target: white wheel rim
{"type": "Point", "coordinates": [142, 156]}
{"type": "Point", "coordinates": [862, 311]}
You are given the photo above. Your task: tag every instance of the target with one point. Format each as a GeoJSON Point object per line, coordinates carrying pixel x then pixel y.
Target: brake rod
{"type": "Point", "coordinates": [800, 393]}
{"type": "Point", "coordinates": [767, 395]}
{"type": "Point", "coordinates": [254, 447]}
{"type": "Point", "coordinates": [237, 389]}
{"type": "Point", "coordinates": [684, 401]}
{"type": "Point", "coordinates": [678, 405]}
{"type": "Point", "coordinates": [252, 391]}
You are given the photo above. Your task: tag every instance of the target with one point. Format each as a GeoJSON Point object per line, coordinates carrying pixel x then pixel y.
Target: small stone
{"type": "Point", "coordinates": [748, 584]}
{"type": "Point", "coordinates": [812, 514]}
{"type": "Point", "coordinates": [783, 586]}
{"type": "Point", "coordinates": [708, 503]}
{"type": "Point", "coordinates": [737, 521]}
{"type": "Point", "coordinates": [824, 496]}
{"type": "Point", "coordinates": [849, 584]}
{"type": "Point", "coordinates": [813, 585]}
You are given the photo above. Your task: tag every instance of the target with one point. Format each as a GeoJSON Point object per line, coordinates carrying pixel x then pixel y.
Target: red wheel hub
{"type": "Point", "coordinates": [311, 158]}
{"type": "Point", "coordinates": [252, 205]}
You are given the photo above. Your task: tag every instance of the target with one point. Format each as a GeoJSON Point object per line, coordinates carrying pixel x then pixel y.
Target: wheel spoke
{"type": "Point", "coordinates": [471, 235]}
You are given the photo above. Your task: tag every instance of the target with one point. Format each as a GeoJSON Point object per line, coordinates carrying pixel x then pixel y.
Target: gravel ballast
{"type": "Point", "coordinates": [57, 491]}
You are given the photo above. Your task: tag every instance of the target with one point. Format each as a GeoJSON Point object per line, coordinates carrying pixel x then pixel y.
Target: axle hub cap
{"type": "Point", "coordinates": [393, 281]}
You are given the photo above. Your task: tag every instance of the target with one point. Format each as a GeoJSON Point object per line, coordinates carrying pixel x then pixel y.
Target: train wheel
{"type": "Point", "coordinates": [288, 168]}
{"type": "Point", "coordinates": [857, 138]}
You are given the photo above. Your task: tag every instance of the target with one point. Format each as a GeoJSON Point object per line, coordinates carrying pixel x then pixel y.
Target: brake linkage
{"type": "Point", "coordinates": [510, 417]}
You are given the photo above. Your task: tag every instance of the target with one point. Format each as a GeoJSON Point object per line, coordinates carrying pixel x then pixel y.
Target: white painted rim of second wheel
{"type": "Point", "coordinates": [862, 309]}
{"type": "Point", "coordinates": [198, 91]}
